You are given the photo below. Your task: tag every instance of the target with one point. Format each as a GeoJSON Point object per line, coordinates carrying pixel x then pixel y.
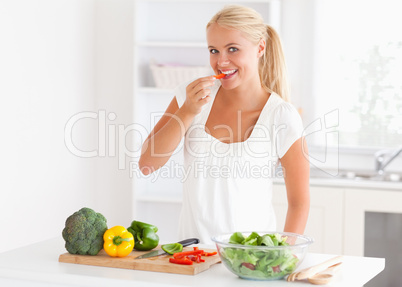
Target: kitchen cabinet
{"type": "Point", "coordinates": [170, 32]}
{"type": "Point", "coordinates": [373, 227]}
{"type": "Point", "coordinates": [360, 201]}
{"type": "Point", "coordinates": [173, 32]}
{"type": "Point", "coordinates": [337, 219]}
{"type": "Point", "coordinates": [325, 222]}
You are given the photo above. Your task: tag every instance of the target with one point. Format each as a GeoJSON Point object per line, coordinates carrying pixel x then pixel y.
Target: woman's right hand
{"type": "Point", "coordinates": [197, 94]}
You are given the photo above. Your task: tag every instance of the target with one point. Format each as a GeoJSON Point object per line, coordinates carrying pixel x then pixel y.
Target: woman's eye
{"type": "Point", "coordinates": [232, 49]}
{"type": "Point", "coordinates": [213, 51]}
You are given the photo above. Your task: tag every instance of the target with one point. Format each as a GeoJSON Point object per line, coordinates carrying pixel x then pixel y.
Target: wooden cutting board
{"type": "Point", "coordinates": [157, 264]}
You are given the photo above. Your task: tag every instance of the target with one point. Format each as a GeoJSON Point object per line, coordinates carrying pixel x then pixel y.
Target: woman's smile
{"type": "Point", "coordinates": [229, 73]}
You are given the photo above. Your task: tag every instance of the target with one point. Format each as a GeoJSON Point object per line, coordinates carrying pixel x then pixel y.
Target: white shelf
{"type": "Point", "coordinates": [214, 1]}
{"type": "Point", "coordinates": [153, 90]}
{"type": "Point", "coordinates": [164, 44]}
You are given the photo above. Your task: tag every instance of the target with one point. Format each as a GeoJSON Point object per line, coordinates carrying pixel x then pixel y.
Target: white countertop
{"type": "Point", "coordinates": [349, 183]}
{"type": "Point", "coordinates": [37, 265]}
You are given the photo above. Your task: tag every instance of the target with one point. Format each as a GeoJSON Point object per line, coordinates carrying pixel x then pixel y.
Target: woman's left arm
{"type": "Point", "coordinates": [296, 170]}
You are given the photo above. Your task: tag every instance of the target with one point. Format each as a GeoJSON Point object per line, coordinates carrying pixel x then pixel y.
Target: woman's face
{"type": "Point", "coordinates": [234, 55]}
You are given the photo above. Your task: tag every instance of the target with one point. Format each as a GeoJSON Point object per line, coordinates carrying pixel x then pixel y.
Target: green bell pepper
{"type": "Point", "coordinates": [144, 234]}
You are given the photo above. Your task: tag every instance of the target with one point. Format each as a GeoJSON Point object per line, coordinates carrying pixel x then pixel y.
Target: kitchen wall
{"type": "Point", "coordinates": [46, 76]}
{"type": "Point", "coordinates": [59, 59]}
{"type": "Point", "coordinates": [114, 95]}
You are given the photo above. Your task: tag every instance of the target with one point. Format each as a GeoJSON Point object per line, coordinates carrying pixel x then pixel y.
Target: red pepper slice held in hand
{"type": "Point", "coordinates": [181, 261]}
{"type": "Point", "coordinates": [220, 76]}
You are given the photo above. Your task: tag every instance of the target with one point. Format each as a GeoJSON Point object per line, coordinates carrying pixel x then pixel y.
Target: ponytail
{"type": "Point", "coordinates": [272, 69]}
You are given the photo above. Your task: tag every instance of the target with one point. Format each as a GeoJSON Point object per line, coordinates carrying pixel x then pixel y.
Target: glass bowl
{"type": "Point", "coordinates": [263, 262]}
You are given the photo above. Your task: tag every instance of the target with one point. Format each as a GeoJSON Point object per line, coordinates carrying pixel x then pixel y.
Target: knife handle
{"type": "Point", "coordinates": [187, 242]}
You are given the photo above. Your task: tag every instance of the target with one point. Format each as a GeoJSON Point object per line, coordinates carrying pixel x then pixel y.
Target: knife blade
{"type": "Point", "coordinates": [158, 252]}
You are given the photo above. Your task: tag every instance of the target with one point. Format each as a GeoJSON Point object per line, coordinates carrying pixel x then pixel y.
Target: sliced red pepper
{"type": "Point", "coordinates": [188, 257]}
{"type": "Point", "coordinates": [192, 258]}
{"type": "Point", "coordinates": [181, 261]}
{"type": "Point", "coordinates": [179, 255]}
{"type": "Point", "coordinates": [199, 259]}
{"type": "Point", "coordinates": [220, 76]}
{"type": "Point", "coordinates": [209, 253]}
{"type": "Point", "coordinates": [195, 258]}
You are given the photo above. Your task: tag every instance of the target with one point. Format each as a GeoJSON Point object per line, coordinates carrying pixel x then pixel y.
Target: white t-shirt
{"type": "Point", "coordinates": [228, 187]}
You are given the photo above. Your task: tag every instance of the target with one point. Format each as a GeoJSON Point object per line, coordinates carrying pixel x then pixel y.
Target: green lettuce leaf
{"type": "Point", "coordinates": [236, 238]}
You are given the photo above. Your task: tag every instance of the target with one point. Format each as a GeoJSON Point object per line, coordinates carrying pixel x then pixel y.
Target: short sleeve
{"type": "Point", "coordinates": [288, 127]}
{"type": "Point", "coordinates": [180, 92]}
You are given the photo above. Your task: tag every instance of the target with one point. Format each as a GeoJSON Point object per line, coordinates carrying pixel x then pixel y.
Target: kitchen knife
{"type": "Point", "coordinates": [158, 252]}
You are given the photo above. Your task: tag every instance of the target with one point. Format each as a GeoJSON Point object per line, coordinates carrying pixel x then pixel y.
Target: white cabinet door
{"type": "Point", "coordinates": [325, 222]}
{"type": "Point", "coordinates": [357, 203]}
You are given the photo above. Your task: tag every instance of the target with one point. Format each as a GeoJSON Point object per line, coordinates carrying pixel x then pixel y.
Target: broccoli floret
{"type": "Point", "coordinates": [84, 231]}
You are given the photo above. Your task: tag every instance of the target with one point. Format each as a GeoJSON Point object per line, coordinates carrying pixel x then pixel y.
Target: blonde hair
{"type": "Point", "coordinates": [272, 67]}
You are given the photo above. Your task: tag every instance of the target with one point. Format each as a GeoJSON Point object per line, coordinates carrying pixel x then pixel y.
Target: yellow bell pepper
{"type": "Point", "coordinates": [118, 241]}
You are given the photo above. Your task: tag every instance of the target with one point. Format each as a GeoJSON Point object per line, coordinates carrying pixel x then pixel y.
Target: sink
{"type": "Point", "coordinates": [356, 175]}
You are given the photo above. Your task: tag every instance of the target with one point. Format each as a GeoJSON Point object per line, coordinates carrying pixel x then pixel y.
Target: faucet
{"type": "Point", "coordinates": [381, 163]}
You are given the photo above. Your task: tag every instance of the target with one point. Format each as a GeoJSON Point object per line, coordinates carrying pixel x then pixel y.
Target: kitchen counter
{"type": "Point", "coordinates": [330, 181]}
{"type": "Point", "coordinates": [37, 265]}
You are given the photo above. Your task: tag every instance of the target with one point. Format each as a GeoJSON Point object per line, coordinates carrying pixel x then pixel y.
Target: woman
{"type": "Point", "coordinates": [236, 131]}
